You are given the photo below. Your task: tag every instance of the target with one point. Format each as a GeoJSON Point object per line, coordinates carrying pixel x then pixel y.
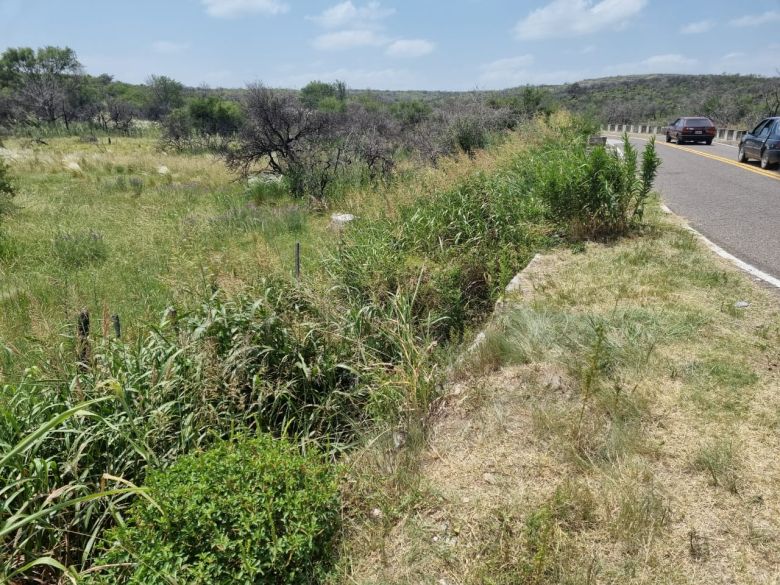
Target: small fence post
{"type": "Point", "coordinates": [297, 260]}
{"type": "Point", "coordinates": [117, 326]}
{"type": "Point", "coordinates": [82, 339]}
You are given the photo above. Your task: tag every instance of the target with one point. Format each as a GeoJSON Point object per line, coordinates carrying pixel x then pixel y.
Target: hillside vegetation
{"type": "Point", "coordinates": [730, 100]}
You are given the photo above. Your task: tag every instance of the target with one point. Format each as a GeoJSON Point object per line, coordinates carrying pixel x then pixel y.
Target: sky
{"type": "Point", "coordinates": [400, 44]}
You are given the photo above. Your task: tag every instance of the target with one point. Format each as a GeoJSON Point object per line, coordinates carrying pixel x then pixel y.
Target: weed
{"type": "Point", "coordinates": [76, 250]}
{"type": "Point", "coordinates": [718, 459]}
{"type": "Point", "coordinates": [641, 508]}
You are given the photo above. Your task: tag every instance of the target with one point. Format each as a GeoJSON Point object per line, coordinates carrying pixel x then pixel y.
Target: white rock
{"type": "Point", "coordinates": [741, 304]}
{"type": "Point", "coordinates": [339, 220]}
{"type": "Point", "coordinates": [73, 166]}
{"type": "Point", "coordinates": [163, 170]}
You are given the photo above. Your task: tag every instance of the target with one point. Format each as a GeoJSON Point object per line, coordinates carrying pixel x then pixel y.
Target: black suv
{"type": "Point", "coordinates": [762, 143]}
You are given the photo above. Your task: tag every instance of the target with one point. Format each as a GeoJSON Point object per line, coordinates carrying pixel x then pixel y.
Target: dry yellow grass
{"type": "Point", "coordinates": [622, 426]}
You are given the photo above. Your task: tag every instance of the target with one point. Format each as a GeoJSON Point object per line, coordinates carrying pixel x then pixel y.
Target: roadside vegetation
{"type": "Point", "coordinates": [182, 317]}
{"type": "Point", "coordinates": [618, 424]}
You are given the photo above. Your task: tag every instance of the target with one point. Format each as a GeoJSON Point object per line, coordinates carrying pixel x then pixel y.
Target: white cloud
{"type": "Point", "coordinates": [169, 47]}
{"type": "Point", "coordinates": [668, 63]}
{"type": "Point", "coordinates": [346, 14]}
{"type": "Point", "coordinates": [757, 19]}
{"type": "Point", "coordinates": [696, 28]}
{"type": "Point", "coordinates": [514, 71]}
{"type": "Point", "coordinates": [734, 55]}
{"type": "Point", "coordinates": [235, 8]}
{"type": "Point", "coordinates": [673, 61]}
{"type": "Point", "coordinates": [348, 39]}
{"type": "Point", "coordinates": [566, 18]}
{"type": "Point", "coordinates": [410, 48]}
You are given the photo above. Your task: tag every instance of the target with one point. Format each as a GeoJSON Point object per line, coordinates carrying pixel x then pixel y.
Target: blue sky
{"type": "Point", "coordinates": [401, 44]}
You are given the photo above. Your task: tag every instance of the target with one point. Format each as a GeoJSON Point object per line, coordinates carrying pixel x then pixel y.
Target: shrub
{"type": "Point", "coordinates": [251, 511]}
{"type": "Point", "coordinates": [7, 190]}
{"type": "Point", "coordinates": [597, 193]}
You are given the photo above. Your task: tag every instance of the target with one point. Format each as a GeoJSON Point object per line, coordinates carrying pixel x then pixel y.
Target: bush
{"type": "Point", "coordinates": [7, 189]}
{"type": "Point", "coordinates": [253, 511]}
{"type": "Point", "coordinates": [597, 193]}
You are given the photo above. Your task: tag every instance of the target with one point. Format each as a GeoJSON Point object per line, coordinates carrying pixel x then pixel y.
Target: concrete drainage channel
{"type": "Point", "coordinates": [521, 286]}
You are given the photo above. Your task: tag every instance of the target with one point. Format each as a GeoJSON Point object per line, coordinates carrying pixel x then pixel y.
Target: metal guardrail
{"type": "Point", "coordinates": [727, 134]}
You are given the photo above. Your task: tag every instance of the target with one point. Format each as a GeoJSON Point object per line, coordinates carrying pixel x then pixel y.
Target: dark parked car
{"type": "Point", "coordinates": [697, 129]}
{"type": "Point", "coordinates": [762, 143]}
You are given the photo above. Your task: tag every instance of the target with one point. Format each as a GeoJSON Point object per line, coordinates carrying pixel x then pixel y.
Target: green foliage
{"type": "Point", "coordinates": [452, 252]}
{"type": "Point", "coordinates": [211, 115]}
{"type": "Point", "coordinates": [324, 96]}
{"type": "Point", "coordinates": [526, 104]}
{"type": "Point", "coordinates": [277, 360]}
{"type": "Point", "coordinates": [79, 249]}
{"type": "Point", "coordinates": [7, 187]}
{"type": "Point", "coordinates": [247, 511]}
{"type": "Point", "coordinates": [730, 100]}
{"type": "Point", "coordinates": [597, 193]}
{"type": "Point", "coordinates": [164, 94]}
{"type": "Point", "coordinates": [470, 135]}
{"type": "Point", "coordinates": [411, 112]}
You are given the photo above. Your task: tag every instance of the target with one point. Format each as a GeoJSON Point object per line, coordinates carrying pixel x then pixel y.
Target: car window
{"type": "Point", "coordinates": [760, 127]}
{"type": "Point", "coordinates": [698, 122]}
{"type": "Point", "coordinates": [764, 131]}
{"type": "Point", "coordinates": [776, 129]}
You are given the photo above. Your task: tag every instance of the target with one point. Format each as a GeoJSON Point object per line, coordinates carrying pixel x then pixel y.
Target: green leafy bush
{"type": "Point", "coordinates": [252, 511]}
{"type": "Point", "coordinates": [597, 193]}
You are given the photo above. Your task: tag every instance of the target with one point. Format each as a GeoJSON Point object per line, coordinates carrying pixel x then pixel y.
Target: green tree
{"type": "Point", "coordinates": [214, 116]}
{"type": "Point", "coordinates": [324, 96]}
{"type": "Point", "coordinates": [45, 84]}
{"type": "Point", "coordinates": [165, 94]}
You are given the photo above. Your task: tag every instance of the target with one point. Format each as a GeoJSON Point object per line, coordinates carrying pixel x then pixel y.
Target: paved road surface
{"type": "Point", "coordinates": [737, 206]}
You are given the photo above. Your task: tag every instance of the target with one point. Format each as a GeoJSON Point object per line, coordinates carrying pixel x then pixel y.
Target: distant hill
{"type": "Point", "coordinates": [728, 99]}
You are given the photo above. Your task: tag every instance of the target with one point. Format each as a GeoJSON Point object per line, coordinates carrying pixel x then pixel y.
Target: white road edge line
{"type": "Point", "coordinates": [749, 268]}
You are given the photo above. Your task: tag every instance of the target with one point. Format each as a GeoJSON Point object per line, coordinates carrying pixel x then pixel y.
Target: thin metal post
{"type": "Point", "coordinates": [297, 260]}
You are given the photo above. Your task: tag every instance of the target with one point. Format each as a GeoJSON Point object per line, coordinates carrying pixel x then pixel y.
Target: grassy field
{"type": "Point", "coordinates": [619, 424]}
{"type": "Point", "coordinates": [125, 229]}
{"type": "Point", "coordinates": [130, 230]}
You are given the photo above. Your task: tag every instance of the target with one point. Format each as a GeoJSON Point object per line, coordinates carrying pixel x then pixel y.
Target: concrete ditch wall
{"type": "Point", "coordinates": [726, 134]}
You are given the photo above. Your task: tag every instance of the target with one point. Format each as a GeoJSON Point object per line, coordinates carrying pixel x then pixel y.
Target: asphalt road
{"type": "Point", "coordinates": [735, 205]}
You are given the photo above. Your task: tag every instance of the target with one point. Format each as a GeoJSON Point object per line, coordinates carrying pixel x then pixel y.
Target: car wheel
{"type": "Point", "coordinates": [680, 140]}
{"type": "Point", "coordinates": [668, 138]}
{"type": "Point", "coordinates": [741, 154]}
{"type": "Point", "coordinates": [708, 142]}
{"type": "Point", "coordinates": [765, 164]}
